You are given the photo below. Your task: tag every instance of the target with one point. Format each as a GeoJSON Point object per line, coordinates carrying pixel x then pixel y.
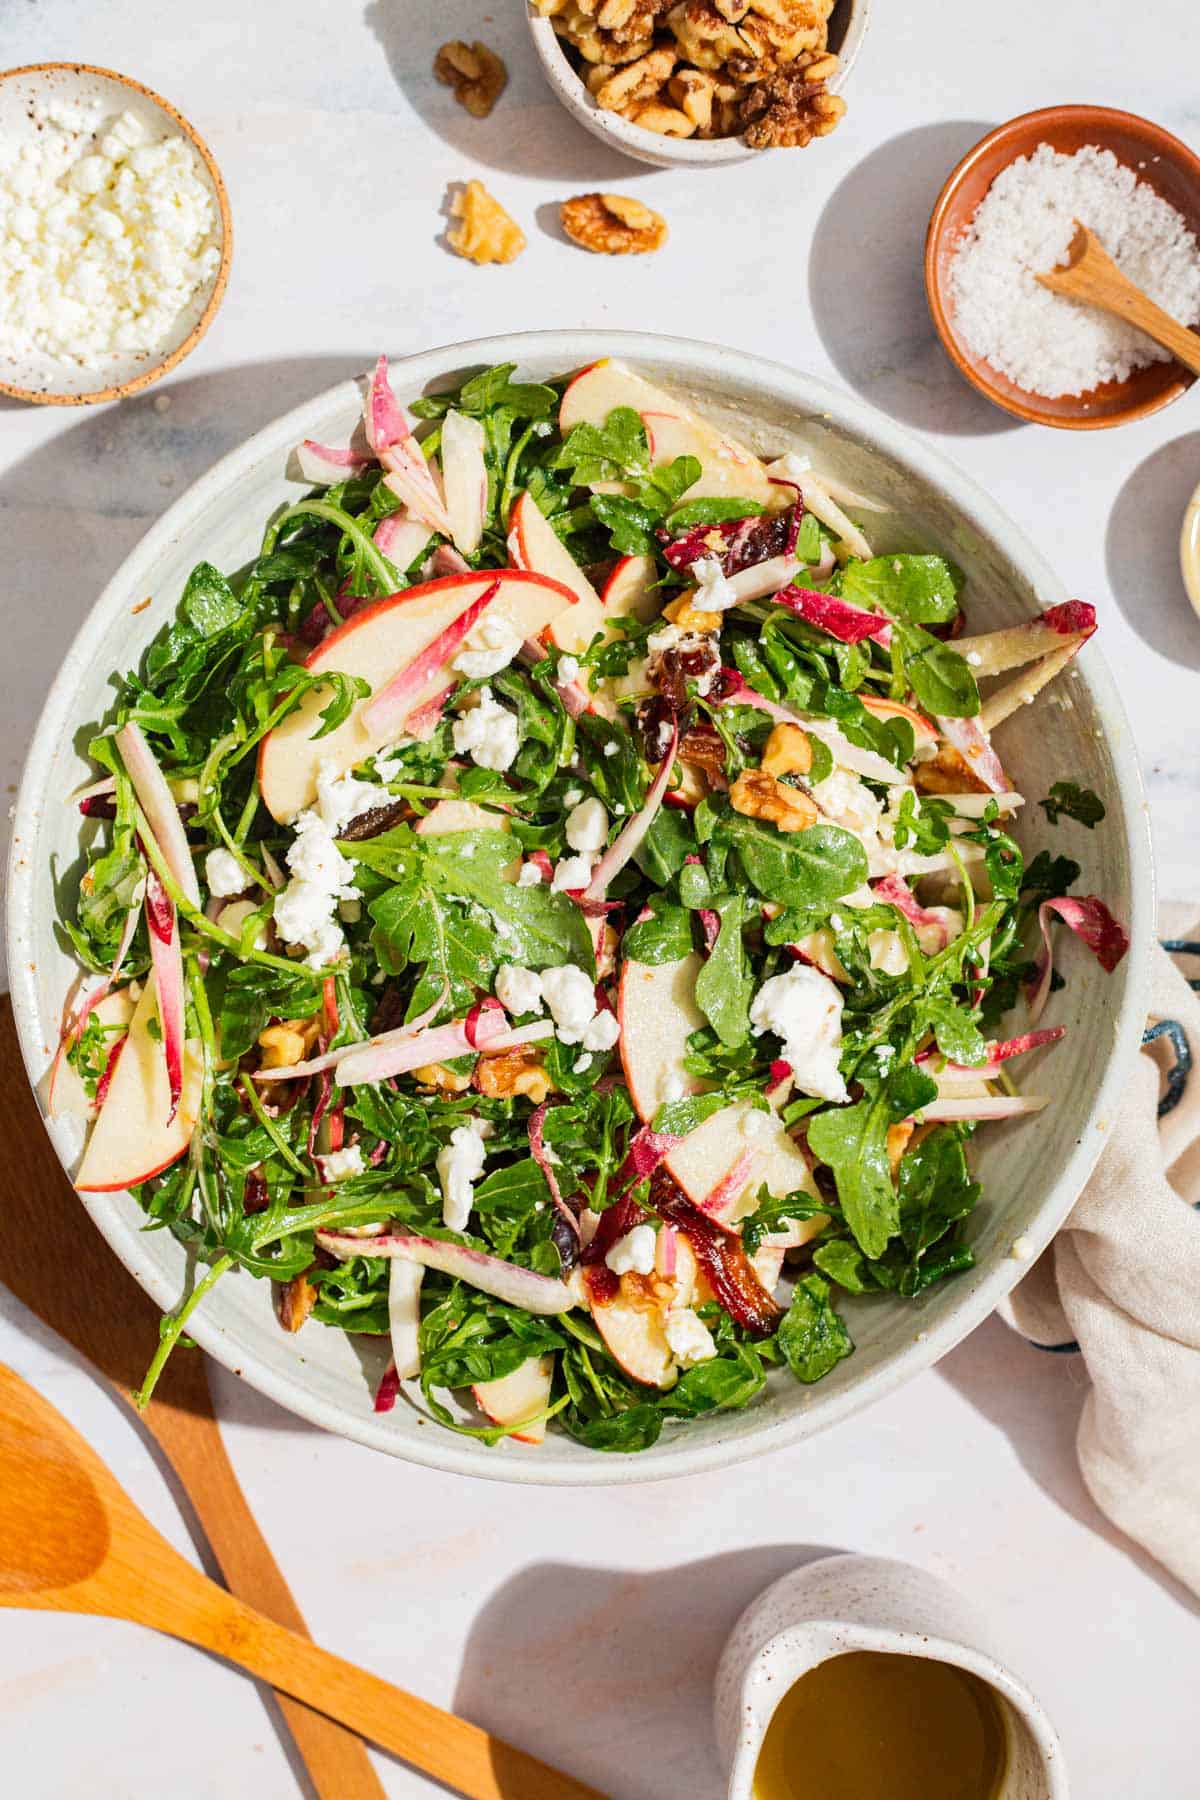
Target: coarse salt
{"type": "Point", "coordinates": [1044, 342]}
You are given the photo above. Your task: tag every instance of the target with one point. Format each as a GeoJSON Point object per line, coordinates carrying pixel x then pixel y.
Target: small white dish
{"type": "Point", "coordinates": [852, 1603]}
{"type": "Point", "coordinates": [43, 380]}
{"type": "Point", "coordinates": [847, 27]}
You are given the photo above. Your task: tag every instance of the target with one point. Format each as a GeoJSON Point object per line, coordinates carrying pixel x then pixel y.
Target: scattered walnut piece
{"type": "Point", "coordinates": [790, 111]}
{"type": "Point", "coordinates": [787, 751]}
{"type": "Point", "coordinates": [612, 225]}
{"type": "Point", "coordinates": [681, 612]}
{"type": "Point", "coordinates": [948, 772]}
{"type": "Point", "coordinates": [477, 75]}
{"type": "Point", "coordinates": [296, 1300]}
{"type": "Point", "coordinates": [287, 1043]}
{"type": "Point", "coordinates": [439, 1077]}
{"type": "Point", "coordinates": [485, 234]}
{"type": "Point", "coordinates": [512, 1072]}
{"type": "Point", "coordinates": [760, 796]}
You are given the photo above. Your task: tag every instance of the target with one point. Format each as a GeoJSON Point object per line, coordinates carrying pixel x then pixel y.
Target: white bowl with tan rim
{"type": "Point", "coordinates": [1031, 1170]}
{"type": "Point", "coordinates": [847, 1604]}
{"type": "Point", "coordinates": [44, 380]}
{"type": "Point", "coordinates": [847, 28]}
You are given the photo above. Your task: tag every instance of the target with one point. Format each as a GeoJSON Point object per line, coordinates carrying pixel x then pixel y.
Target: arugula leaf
{"type": "Point", "coordinates": [490, 391]}
{"type": "Point", "coordinates": [253, 995]}
{"type": "Point", "coordinates": [605, 452]}
{"type": "Point", "coordinates": [801, 869]}
{"type": "Point", "coordinates": [664, 937]}
{"type": "Point", "coordinates": [208, 601]}
{"type": "Point", "coordinates": [922, 590]}
{"type": "Point", "coordinates": [958, 1036]}
{"type": "Point", "coordinates": [852, 1141]}
{"type": "Point", "coordinates": [845, 1263]}
{"type": "Point", "coordinates": [721, 1384]}
{"type": "Point", "coordinates": [725, 984]}
{"type": "Point", "coordinates": [812, 1336]}
{"type": "Point", "coordinates": [633, 520]}
{"type": "Point", "coordinates": [678, 1117]}
{"type": "Point", "coordinates": [939, 677]}
{"type": "Point", "coordinates": [1047, 877]}
{"type": "Point", "coordinates": [936, 1190]}
{"type": "Point", "coordinates": [711, 510]}
{"type": "Point", "coordinates": [1068, 800]}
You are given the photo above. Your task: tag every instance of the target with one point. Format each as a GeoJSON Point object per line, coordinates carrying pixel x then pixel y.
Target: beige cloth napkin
{"type": "Point", "coordinates": [1121, 1281]}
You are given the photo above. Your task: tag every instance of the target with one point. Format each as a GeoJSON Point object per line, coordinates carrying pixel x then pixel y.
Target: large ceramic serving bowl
{"type": "Point", "coordinates": [1031, 1170]}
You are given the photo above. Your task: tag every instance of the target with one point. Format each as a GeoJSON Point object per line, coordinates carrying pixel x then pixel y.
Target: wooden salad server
{"type": "Point", "coordinates": [75, 1542]}
{"type": "Point", "coordinates": [98, 1307]}
{"type": "Point", "coordinates": [1090, 274]}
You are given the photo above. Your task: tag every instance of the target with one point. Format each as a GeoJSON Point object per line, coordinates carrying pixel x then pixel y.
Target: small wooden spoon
{"type": "Point", "coordinates": [73, 1541]}
{"type": "Point", "coordinates": [92, 1301]}
{"type": "Point", "coordinates": [1090, 274]}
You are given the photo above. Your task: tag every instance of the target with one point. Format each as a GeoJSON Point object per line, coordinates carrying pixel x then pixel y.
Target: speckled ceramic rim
{"type": "Point", "coordinates": [1189, 550]}
{"type": "Point", "coordinates": [1019, 136]}
{"type": "Point", "coordinates": [120, 390]}
{"type": "Point", "coordinates": [652, 146]}
{"type": "Point", "coordinates": [808, 397]}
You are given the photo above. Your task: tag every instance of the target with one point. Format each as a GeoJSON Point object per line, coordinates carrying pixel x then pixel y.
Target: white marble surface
{"type": "Point", "coordinates": [586, 1626]}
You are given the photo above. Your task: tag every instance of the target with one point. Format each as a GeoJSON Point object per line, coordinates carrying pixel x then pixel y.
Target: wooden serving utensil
{"type": "Point", "coordinates": [1090, 274]}
{"type": "Point", "coordinates": [75, 1542]}
{"type": "Point", "coordinates": [95, 1303]}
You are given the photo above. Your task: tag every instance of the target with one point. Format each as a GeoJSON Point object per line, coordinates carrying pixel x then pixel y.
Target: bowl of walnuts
{"type": "Point", "coordinates": [683, 83]}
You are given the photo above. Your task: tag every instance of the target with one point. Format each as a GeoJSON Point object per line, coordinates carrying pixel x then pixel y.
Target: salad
{"type": "Point", "coordinates": [557, 911]}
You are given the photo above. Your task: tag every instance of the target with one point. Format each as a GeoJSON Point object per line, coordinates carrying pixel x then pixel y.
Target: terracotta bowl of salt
{"type": "Point", "coordinates": [1155, 158]}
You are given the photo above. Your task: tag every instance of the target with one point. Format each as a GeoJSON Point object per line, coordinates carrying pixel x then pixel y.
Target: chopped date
{"type": "Point", "coordinates": [375, 821]}
{"type": "Point", "coordinates": [737, 543]}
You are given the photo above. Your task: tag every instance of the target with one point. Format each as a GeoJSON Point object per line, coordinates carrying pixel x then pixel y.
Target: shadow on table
{"type": "Point", "coordinates": [1142, 548]}
{"type": "Point", "coordinates": [528, 133]}
{"type": "Point", "coordinates": [1035, 1398]}
{"type": "Point", "coordinates": [609, 1671]}
{"type": "Point", "coordinates": [867, 288]}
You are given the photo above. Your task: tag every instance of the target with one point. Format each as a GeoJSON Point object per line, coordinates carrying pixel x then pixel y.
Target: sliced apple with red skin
{"type": "Point", "coordinates": [672, 429]}
{"type": "Point", "coordinates": [708, 1154]}
{"type": "Point", "coordinates": [449, 816]}
{"type": "Point", "coordinates": [131, 1140]}
{"type": "Point", "coordinates": [631, 590]}
{"type": "Point", "coordinates": [522, 1395]}
{"type": "Point", "coordinates": [67, 1094]}
{"type": "Point", "coordinates": [657, 1009]}
{"type": "Point", "coordinates": [377, 643]}
{"type": "Point", "coordinates": [465, 479]}
{"type": "Point", "coordinates": [533, 544]}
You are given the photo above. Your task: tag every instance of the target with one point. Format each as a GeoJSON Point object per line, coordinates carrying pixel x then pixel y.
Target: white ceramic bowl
{"type": "Point", "coordinates": [45, 380]}
{"type": "Point", "coordinates": [1032, 1170]}
{"type": "Point", "coordinates": [847, 28]}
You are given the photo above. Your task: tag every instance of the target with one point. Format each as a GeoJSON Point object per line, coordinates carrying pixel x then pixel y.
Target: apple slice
{"type": "Point", "coordinates": [465, 479]}
{"type": "Point", "coordinates": [533, 544]}
{"type": "Point", "coordinates": [131, 1140]}
{"type": "Point", "coordinates": [634, 1334]}
{"type": "Point", "coordinates": [376, 644]}
{"type": "Point", "coordinates": [66, 1094]}
{"type": "Point", "coordinates": [673, 429]}
{"type": "Point", "coordinates": [521, 1395]}
{"type": "Point", "coordinates": [657, 1009]}
{"type": "Point", "coordinates": [631, 591]}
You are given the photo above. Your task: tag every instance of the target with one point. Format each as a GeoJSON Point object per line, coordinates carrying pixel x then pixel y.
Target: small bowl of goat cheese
{"type": "Point", "coordinates": [115, 235]}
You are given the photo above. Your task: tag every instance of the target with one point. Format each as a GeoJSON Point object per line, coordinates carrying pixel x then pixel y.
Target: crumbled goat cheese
{"type": "Point", "coordinates": [587, 826]}
{"type": "Point", "coordinates": [688, 1336]}
{"type": "Point", "coordinates": [519, 990]}
{"type": "Point", "coordinates": [601, 1032]}
{"type": "Point", "coordinates": [634, 1253]}
{"type": "Point", "coordinates": [489, 648]}
{"type": "Point", "coordinates": [487, 734]}
{"type": "Point", "coordinates": [846, 800]}
{"type": "Point", "coordinates": [581, 1065]}
{"type": "Point", "coordinates": [804, 1009]}
{"type": "Point", "coordinates": [224, 874]}
{"type": "Point", "coordinates": [459, 1166]}
{"type": "Point", "coordinates": [109, 236]}
{"type": "Point", "coordinates": [1023, 225]}
{"type": "Point", "coordinates": [321, 876]}
{"type": "Point", "coordinates": [610, 749]}
{"type": "Point", "coordinates": [572, 873]}
{"type": "Point", "coordinates": [568, 669]}
{"type": "Point", "coordinates": [571, 997]}
{"type": "Point", "coordinates": [339, 1165]}
{"type": "Point", "coordinates": [665, 638]}
{"type": "Point", "coordinates": [389, 767]}
{"type": "Point", "coordinates": [755, 1124]}
{"type": "Point", "coordinates": [341, 798]}
{"type": "Point", "coordinates": [714, 590]}
{"type": "Point", "coordinates": [530, 876]}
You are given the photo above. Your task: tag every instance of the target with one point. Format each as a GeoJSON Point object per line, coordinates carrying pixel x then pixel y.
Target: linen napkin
{"type": "Point", "coordinates": [1121, 1281]}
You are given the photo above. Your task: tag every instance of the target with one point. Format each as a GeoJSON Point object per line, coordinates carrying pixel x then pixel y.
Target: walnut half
{"type": "Point", "coordinates": [758, 795]}
{"type": "Point", "coordinates": [486, 234]}
{"type": "Point", "coordinates": [477, 75]}
{"type": "Point", "coordinates": [790, 109]}
{"type": "Point", "coordinates": [611, 225]}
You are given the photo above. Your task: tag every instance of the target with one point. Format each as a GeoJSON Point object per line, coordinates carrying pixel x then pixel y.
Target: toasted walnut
{"type": "Point", "coordinates": [733, 10]}
{"type": "Point", "coordinates": [681, 612]}
{"type": "Point", "coordinates": [611, 225]}
{"type": "Point", "coordinates": [668, 121]}
{"type": "Point", "coordinates": [595, 76]}
{"type": "Point", "coordinates": [704, 37]}
{"type": "Point", "coordinates": [606, 955]}
{"type": "Point", "coordinates": [437, 1075]}
{"type": "Point", "coordinates": [287, 1043]}
{"type": "Point", "coordinates": [760, 796]}
{"type": "Point", "coordinates": [692, 91]}
{"type": "Point", "coordinates": [702, 747]}
{"type": "Point", "coordinates": [486, 234]}
{"type": "Point", "coordinates": [637, 81]}
{"type": "Point", "coordinates": [787, 751]}
{"type": "Point", "coordinates": [477, 75]}
{"type": "Point", "coordinates": [581, 31]}
{"type": "Point", "coordinates": [897, 1144]}
{"type": "Point", "coordinates": [788, 110]}
{"type": "Point", "coordinates": [296, 1300]}
{"type": "Point", "coordinates": [512, 1072]}
{"type": "Point", "coordinates": [948, 772]}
